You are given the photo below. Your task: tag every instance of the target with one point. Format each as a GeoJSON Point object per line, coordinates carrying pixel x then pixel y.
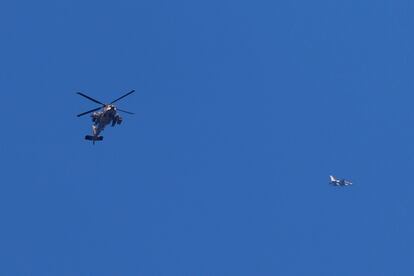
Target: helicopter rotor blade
{"type": "Point", "coordinates": [90, 111]}
{"type": "Point", "coordinates": [89, 98]}
{"type": "Point", "coordinates": [125, 111]}
{"type": "Point", "coordinates": [123, 96]}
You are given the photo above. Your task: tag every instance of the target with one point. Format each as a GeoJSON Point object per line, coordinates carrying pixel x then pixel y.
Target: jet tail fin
{"type": "Point", "coordinates": [332, 178]}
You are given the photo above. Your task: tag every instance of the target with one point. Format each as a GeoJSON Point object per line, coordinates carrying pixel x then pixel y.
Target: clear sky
{"type": "Point", "coordinates": [243, 109]}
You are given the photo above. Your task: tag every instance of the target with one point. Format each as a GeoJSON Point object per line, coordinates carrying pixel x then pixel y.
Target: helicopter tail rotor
{"type": "Point", "coordinates": [93, 138]}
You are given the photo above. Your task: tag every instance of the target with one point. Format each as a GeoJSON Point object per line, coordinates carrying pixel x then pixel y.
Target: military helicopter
{"type": "Point", "coordinates": [102, 118]}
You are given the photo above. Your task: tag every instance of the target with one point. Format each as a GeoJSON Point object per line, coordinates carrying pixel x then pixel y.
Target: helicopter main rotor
{"type": "Point", "coordinates": [103, 105]}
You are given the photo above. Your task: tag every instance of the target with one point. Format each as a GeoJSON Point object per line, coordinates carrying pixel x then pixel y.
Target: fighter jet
{"type": "Point", "coordinates": [339, 182]}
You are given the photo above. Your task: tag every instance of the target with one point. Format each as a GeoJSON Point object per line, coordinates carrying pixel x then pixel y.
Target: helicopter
{"type": "Point", "coordinates": [107, 115]}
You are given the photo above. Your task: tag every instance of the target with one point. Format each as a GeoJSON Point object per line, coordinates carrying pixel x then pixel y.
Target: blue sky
{"type": "Point", "coordinates": [243, 109]}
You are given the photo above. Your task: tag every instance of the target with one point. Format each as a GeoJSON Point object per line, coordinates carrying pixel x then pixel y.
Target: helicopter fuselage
{"type": "Point", "coordinates": [103, 118]}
